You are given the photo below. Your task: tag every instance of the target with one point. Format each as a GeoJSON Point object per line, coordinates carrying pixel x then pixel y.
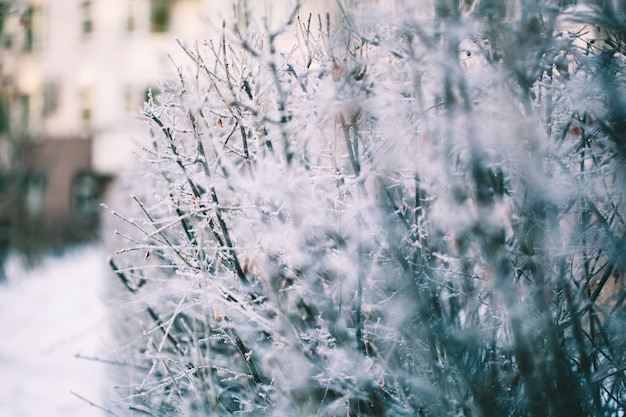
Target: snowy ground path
{"type": "Point", "coordinates": [47, 316]}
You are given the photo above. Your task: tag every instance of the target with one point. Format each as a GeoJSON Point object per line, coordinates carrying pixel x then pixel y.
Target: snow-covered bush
{"type": "Point", "coordinates": [415, 210]}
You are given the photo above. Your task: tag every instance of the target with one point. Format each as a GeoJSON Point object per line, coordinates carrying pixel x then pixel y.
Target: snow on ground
{"type": "Point", "coordinates": [47, 316]}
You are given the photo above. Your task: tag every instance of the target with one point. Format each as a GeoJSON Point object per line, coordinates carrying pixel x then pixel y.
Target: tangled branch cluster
{"type": "Point", "coordinates": [415, 210]}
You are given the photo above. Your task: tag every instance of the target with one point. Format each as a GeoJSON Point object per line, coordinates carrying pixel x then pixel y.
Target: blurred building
{"type": "Point", "coordinates": [73, 78]}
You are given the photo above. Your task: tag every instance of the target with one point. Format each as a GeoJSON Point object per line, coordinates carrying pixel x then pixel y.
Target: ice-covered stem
{"type": "Point", "coordinates": [234, 259]}
{"type": "Point", "coordinates": [281, 94]}
{"type": "Point", "coordinates": [122, 276]}
{"type": "Point", "coordinates": [587, 364]}
{"type": "Point", "coordinates": [246, 86]}
{"type": "Point", "coordinates": [352, 143]}
{"type": "Point", "coordinates": [246, 355]}
{"type": "Point", "coordinates": [557, 382]}
{"type": "Point", "coordinates": [358, 302]}
{"type": "Point", "coordinates": [227, 239]}
{"type": "Point", "coordinates": [180, 255]}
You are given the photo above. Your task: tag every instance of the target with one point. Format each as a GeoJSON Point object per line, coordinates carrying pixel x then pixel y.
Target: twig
{"type": "Point", "coordinates": [91, 403]}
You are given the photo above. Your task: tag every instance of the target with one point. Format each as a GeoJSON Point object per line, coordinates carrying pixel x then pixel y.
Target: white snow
{"type": "Point", "coordinates": [48, 315]}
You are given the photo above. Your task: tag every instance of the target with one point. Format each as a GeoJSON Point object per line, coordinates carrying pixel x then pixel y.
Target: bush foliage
{"type": "Point", "coordinates": [414, 209]}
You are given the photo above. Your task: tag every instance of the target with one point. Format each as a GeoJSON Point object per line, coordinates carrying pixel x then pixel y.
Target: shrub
{"type": "Point", "coordinates": [416, 210]}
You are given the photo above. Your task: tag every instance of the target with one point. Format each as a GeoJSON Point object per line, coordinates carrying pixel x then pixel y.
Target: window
{"type": "Point", "coordinates": [130, 17]}
{"type": "Point", "coordinates": [26, 21]}
{"type": "Point", "coordinates": [24, 111]}
{"type": "Point", "coordinates": [5, 8]}
{"type": "Point", "coordinates": [4, 111]}
{"type": "Point", "coordinates": [35, 192]}
{"type": "Point", "coordinates": [6, 40]}
{"type": "Point", "coordinates": [129, 100]}
{"type": "Point", "coordinates": [85, 191]}
{"type": "Point", "coordinates": [160, 13]}
{"type": "Point", "coordinates": [5, 181]}
{"type": "Point", "coordinates": [33, 24]}
{"type": "Point", "coordinates": [85, 106]}
{"type": "Point", "coordinates": [50, 97]}
{"type": "Point", "coordinates": [86, 17]}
